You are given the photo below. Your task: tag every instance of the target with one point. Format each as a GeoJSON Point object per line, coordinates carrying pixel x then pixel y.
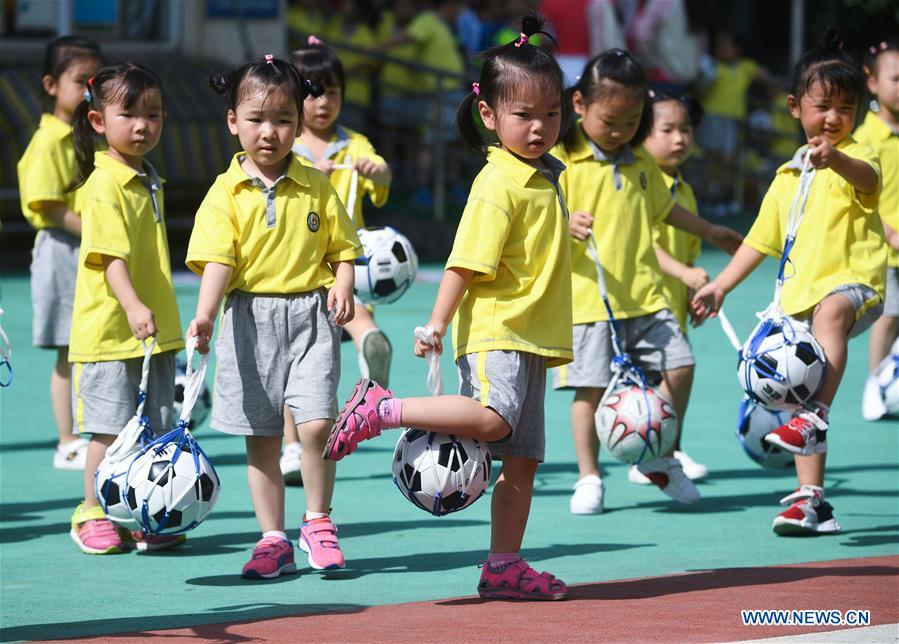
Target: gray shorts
{"type": "Point", "coordinates": [54, 265]}
{"type": "Point", "coordinates": [719, 134]}
{"type": "Point", "coordinates": [865, 301]}
{"type": "Point", "coordinates": [654, 342]}
{"type": "Point", "coordinates": [104, 394]}
{"type": "Point", "coordinates": [513, 384]}
{"type": "Point", "coordinates": [274, 350]}
{"type": "Point", "coordinates": [891, 301]}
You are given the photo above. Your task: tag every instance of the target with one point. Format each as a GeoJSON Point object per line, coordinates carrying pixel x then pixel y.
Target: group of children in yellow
{"type": "Point", "coordinates": [275, 247]}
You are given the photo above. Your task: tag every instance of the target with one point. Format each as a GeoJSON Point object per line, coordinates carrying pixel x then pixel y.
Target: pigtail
{"type": "Point", "coordinates": [85, 142]}
{"type": "Point", "coordinates": [468, 122]}
{"type": "Point", "coordinates": [220, 84]}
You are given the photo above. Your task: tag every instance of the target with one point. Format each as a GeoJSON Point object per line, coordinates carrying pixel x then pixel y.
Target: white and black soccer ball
{"type": "Point", "coordinates": [171, 486]}
{"type": "Point", "coordinates": [387, 267]}
{"type": "Point", "coordinates": [109, 482]}
{"type": "Point", "coordinates": [887, 376]}
{"type": "Point", "coordinates": [440, 473]}
{"type": "Point", "coordinates": [636, 424]}
{"type": "Point", "coordinates": [754, 422]}
{"type": "Point", "coordinates": [781, 366]}
{"type": "Point", "coordinates": [204, 399]}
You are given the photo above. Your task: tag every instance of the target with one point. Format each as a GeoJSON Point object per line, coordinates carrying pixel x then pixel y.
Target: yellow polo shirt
{"type": "Point", "coordinates": [885, 141]}
{"type": "Point", "coordinates": [279, 239]}
{"type": "Point", "coordinates": [395, 79]}
{"type": "Point", "coordinates": [726, 96]}
{"type": "Point", "coordinates": [681, 245]}
{"type": "Point", "coordinates": [123, 217]}
{"type": "Point", "coordinates": [514, 235]}
{"type": "Point", "coordinates": [347, 146]}
{"type": "Point", "coordinates": [840, 240]}
{"type": "Point", "coordinates": [627, 200]}
{"type": "Point", "coordinates": [358, 65]}
{"type": "Point", "coordinates": [46, 168]}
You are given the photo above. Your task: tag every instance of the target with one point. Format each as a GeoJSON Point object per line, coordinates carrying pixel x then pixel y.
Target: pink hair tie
{"type": "Point", "coordinates": [476, 88]}
{"type": "Point", "coordinates": [269, 59]}
{"type": "Point", "coordinates": [314, 41]}
{"type": "Point", "coordinates": [522, 40]}
{"type": "Point", "coordinates": [873, 50]}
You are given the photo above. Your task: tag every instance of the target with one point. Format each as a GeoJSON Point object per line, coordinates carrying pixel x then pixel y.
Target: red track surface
{"type": "Point", "coordinates": [694, 606]}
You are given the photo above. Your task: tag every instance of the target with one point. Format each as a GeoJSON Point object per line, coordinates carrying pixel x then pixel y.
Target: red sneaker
{"type": "Point", "coordinates": [805, 434]}
{"type": "Point", "coordinates": [358, 421]}
{"type": "Point", "coordinates": [809, 514]}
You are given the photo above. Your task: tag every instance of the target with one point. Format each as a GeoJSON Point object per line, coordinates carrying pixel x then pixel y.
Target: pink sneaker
{"type": "Point", "coordinates": [805, 434]}
{"type": "Point", "coordinates": [358, 421]}
{"type": "Point", "coordinates": [272, 557]}
{"type": "Point", "coordinates": [519, 581]}
{"type": "Point", "coordinates": [94, 533]}
{"type": "Point", "coordinates": [144, 541]}
{"type": "Point", "coordinates": [318, 539]}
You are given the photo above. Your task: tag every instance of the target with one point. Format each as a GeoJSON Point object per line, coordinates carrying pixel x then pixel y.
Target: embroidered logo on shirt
{"type": "Point", "coordinates": [313, 221]}
{"type": "Point", "coordinates": [643, 180]}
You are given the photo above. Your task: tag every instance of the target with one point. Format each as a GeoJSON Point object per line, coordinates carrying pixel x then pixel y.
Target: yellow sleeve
{"type": "Point", "coordinates": [214, 235]}
{"type": "Point", "coordinates": [40, 176]}
{"type": "Point", "coordinates": [377, 194]}
{"type": "Point", "coordinates": [661, 201]}
{"type": "Point", "coordinates": [104, 231]}
{"type": "Point", "coordinates": [343, 242]}
{"type": "Point", "coordinates": [765, 236]}
{"type": "Point", "coordinates": [481, 236]}
{"type": "Point", "coordinates": [868, 201]}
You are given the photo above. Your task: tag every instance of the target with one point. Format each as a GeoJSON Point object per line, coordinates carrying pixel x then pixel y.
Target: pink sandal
{"type": "Point", "coordinates": [358, 421]}
{"type": "Point", "coordinates": [519, 581]}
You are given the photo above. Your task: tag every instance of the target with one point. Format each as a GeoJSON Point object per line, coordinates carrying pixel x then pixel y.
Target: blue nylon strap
{"type": "Point", "coordinates": [5, 373]}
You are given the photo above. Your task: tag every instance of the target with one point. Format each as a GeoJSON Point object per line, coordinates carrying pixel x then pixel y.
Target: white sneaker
{"type": "Point", "coordinates": [666, 472]}
{"type": "Point", "coordinates": [290, 463]}
{"type": "Point", "coordinates": [636, 476]}
{"type": "Point", "coordinates": [71, 455]}
{"type": "Point", "coordinates": [872, 400]}
{"type": "Point", "coordinates": [587, 497]}
{"type": "Point", "coordinates": [694, 471]}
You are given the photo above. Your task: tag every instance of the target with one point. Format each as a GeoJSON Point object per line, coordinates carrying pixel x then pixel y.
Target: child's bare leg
{"type": "Point", "coordinates": [266, 482]}
{"type": "Point", "coordinates": [677, 384]}
{"type": "Point", "coordinates": [458, 415]}
{"type": "Point", "coordinates": [96, 451]}
{"type": "Point", "coordinates": [318, 474]}
{"type": "Point", "coordinates": [511, 503]}
{"type": "Point", "coordinates": [883, 334]}
{"type": "Point", "coordinates": [583, 429]}
{"type": "Point", "coordinates": [290, 428]}
{"type": "Point", "coordinates": [61, 396]}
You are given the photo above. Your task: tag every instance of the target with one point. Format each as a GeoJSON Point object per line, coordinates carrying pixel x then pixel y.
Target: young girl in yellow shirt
{"type": "Point", "coordinates": [329, 147]}
{"type": "Point", "coordinates": [617, 193]}
{"type": "Point", "coordinates": [507, 291]}
{"type": "Point", "coordinates": [839, 257]}
{"type": "Point", "coordinates": [45, 171]}
{"type": "Point", "coordinates": [123, 292]}
{"type": "Point", "coordinates": [880, 130]}
{"type": "Point", "coordinates": [272, 239]}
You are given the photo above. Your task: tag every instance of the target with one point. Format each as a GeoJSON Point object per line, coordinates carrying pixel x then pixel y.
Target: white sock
{"type": "Point", "coordinates": [310, 516]}
{"type": "Point", "coordinates": [275, 533]}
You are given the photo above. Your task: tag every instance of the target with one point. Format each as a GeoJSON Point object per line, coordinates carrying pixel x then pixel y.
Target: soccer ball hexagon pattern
{"type": "Point", "coordinates": [171, 487]}
{"type": "Point", "coordinates": [636, 424]}
{"type": "Point", "coordinates": [440, 473]}
{"type": "Point", "coordinates": [754, 422]}
{"type": "Point", "coordinates": [109, 481]}
{"type": "Point", "coordinates": [387, 267]}
{"type": "Point", "coordinates": [781, 366]}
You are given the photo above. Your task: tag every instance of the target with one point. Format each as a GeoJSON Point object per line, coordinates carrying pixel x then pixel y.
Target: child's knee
{"type": "Point", "coordinates": [315, 432]}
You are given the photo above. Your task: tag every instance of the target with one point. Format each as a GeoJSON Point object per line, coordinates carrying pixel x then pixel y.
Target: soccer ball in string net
{"type": "Point", "coordinates": [387, 267]}
{"type": "Point", "coordinates": [108, 483]}
{"type": "Point", "coordinates": [754, 422]}
{"type": "Point", "coordinates": [171, 485]}
{"type": "Point", "coordinates": [204, 399]}
{"type": "Point", "coordinates": [636, 424]}
{"type": "Point", "coordinates": [440, 473]}
{"type": "Point", "coordinates": [887, 376]}
{"type": "Point", "coordinates": [781, 366]}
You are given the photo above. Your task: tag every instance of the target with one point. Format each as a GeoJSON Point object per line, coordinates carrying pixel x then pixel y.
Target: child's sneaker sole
{"type": "Point", "coordinates": [287, 569]}
{"type": "Point", "coordinates": [305, 548]}
{"type": "Point", "coordinates": [792, 528]}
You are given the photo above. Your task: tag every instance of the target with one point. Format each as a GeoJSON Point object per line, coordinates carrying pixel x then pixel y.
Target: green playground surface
{"type": "Point", "coordinates": [397, 553]}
